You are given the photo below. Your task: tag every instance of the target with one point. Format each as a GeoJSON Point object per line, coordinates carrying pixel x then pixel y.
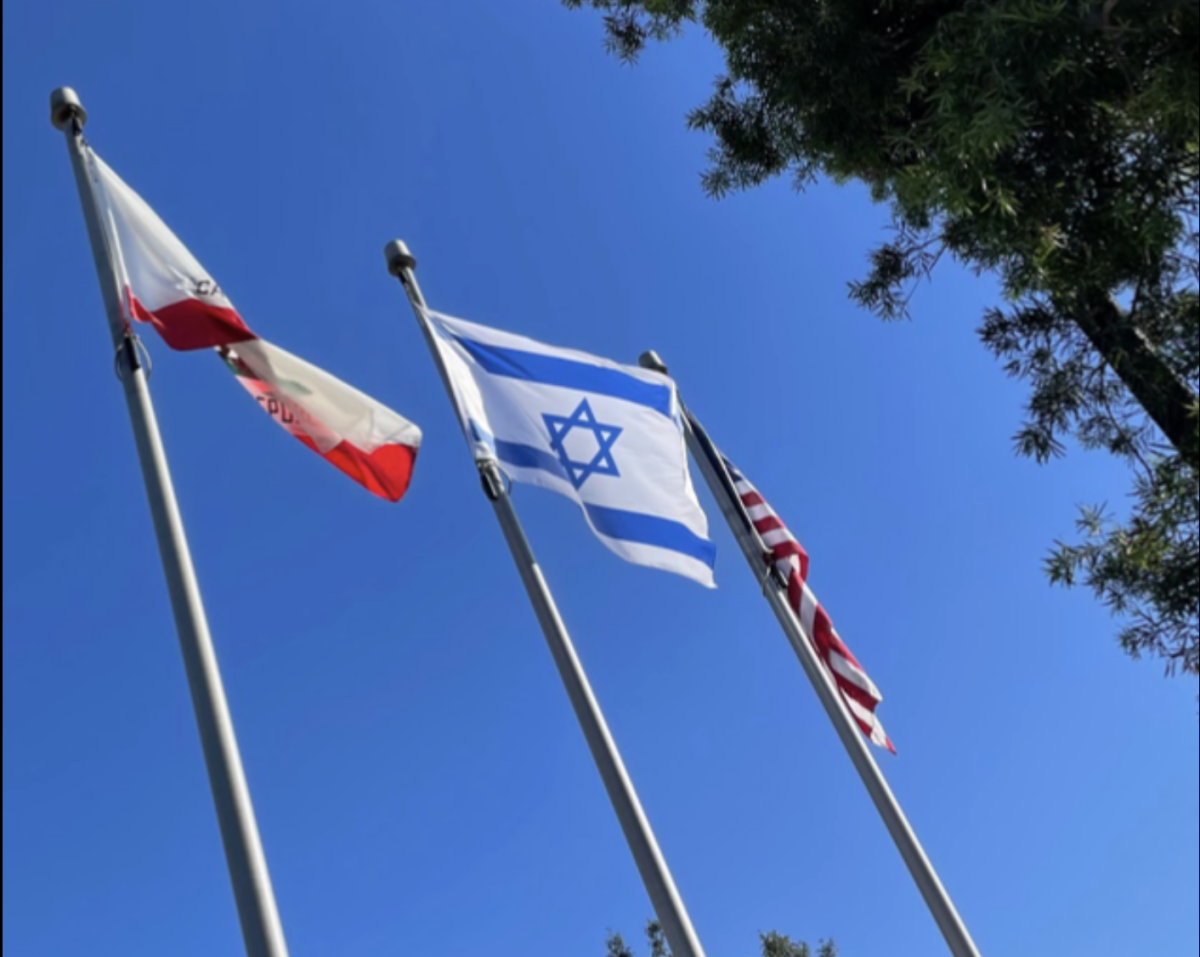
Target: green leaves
{"type": "Point", "coordinates": [655, 938]}
{"type": "Point", "coordinates": [617, 947]}
{"type": "Point", "coordinates": [1145, 567]}
{"type": "Point", "coordinates": [631, 24]}
{"type": "Point", "coordinates": [773, 945]}
{"type": "Point", "coordinates": [1050, 142]}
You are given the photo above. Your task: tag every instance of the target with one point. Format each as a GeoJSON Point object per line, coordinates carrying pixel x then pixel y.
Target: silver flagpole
{"type": "Point", "coordinates": [664, 896]}
{"type": "Point", "coordinates": [725, 492]}
{"type": "Point", "coordinates": [261, 928]}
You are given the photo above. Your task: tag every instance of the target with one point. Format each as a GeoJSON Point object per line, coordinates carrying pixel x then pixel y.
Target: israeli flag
{"type": "Point", "coordinates": [608, 436]}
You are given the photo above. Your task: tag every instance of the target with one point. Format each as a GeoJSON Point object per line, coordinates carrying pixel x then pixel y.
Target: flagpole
{"type": "Point", "coordinates": [261, 928]}
{"type": "Point", "coordinates": [664, 896]}
{"type": "Point", "coordinates": [723, 489]}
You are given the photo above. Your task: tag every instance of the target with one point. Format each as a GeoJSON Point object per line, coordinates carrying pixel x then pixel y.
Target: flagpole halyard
{"type": "Point", "coordinates": [664, 895]}
{"type": "Point", "coordinates": [255, 898]}
{"type": "Point", "coordinates": [721, 483]}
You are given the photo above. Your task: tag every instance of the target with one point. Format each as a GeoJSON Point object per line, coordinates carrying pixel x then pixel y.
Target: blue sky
{"type": "Point", "coordinates": [420, 781]}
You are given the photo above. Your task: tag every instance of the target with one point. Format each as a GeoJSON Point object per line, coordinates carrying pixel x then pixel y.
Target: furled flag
{"type": "Point", "coordinates": [608, 436]}
{"type": "Point", "coordinates": [165, 286]}
{"type": "Point", "coordinates": [791, 561]}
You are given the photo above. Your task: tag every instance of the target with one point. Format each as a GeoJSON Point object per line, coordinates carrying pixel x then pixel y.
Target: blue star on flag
{"type": "Point", "coordinates": [606, 436]}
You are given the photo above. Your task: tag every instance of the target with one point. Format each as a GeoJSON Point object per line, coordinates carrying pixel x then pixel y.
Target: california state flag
{"type": "Point", "coordinates": [166, 287]}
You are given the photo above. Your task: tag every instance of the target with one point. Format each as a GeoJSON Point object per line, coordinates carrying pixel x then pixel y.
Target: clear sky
{"type": "Point", "coordinates": [421, 783]}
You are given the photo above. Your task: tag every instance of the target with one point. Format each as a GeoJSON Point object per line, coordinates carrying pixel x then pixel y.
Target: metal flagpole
{"type": "Point", "coordinates": [261, 928]}
{"type": "Point", "coordinates": [723, 488]}
{"type": "Point", "coordinates": [664, 896]}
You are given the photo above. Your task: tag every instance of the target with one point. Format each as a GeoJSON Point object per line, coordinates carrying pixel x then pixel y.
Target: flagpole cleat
{"type": "Point", "coordinates": [66, 106]}
{"type": "Point", "coordinates": [399, 258]}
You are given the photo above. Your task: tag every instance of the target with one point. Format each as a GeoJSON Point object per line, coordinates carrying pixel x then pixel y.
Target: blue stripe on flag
{"type": "Point", "coordinates": [528, 457]}
{"type": "Point", "coordinates": [568, 374]}
{"type": "Point", "coordinates": [651, 530]}
{"type": "Point", "coordinates": [614, 522]}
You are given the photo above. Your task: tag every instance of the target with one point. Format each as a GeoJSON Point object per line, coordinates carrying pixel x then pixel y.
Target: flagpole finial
{"type": "Point", "coordinates": [652, 361]}
{"type": "Point", "coordinates": [66, 106]}
{"type": "Point", "coordinates": [398, 257]}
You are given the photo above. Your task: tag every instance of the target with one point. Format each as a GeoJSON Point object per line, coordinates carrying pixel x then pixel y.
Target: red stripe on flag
{"type": "Point", "coordinates": [824, 637]}
{"type": "Point", "coordinates": [786, 551]}
{"type": "Point", "coordinates": [851, 690]}
{"type": "Point", "coordinates": [386, 472]}
{"type": "Point", "coordinates": [192, 324]}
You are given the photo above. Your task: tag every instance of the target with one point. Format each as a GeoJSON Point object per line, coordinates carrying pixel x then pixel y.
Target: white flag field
{"type": "Point", "coordinates": [165, 286]}
{"type": "Point", "coordinates": [609, 437]}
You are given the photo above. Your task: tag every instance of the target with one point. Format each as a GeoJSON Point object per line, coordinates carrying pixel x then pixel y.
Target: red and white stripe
{"type": "Point", "coordinates": [165, 286]}
{"type": "Point", "coordinates": [790, 558]}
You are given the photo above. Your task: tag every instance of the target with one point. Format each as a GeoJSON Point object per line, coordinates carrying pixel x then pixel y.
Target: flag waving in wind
{"type": "Point", "coordinates": [791, 561]}
{"type": "Point", "coordinates": [607, 436]}
{"type": "Point", "coordinates": [165, 286]}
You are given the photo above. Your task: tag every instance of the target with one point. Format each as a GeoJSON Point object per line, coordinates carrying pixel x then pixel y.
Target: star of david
{"type": "Point", "coordinates": [583, 419]}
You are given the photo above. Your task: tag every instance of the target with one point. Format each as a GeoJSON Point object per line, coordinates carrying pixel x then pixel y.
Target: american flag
{"type": "Point", "coordinates": [791, 560]}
